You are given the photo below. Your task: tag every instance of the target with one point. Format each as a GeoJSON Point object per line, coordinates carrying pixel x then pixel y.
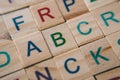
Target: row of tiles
{"type": "Point", "coordinates": [77, 64]}
{"type": "Point", "coordinates": [11, 5]}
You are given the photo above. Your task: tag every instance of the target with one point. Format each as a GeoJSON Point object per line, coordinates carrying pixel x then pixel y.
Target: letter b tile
{"type": "Point", "coordinates": [100, 55]}
{"type": "Point", "coordinates": [59, 39]}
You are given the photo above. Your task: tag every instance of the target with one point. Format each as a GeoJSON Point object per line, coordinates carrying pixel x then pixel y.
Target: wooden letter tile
{"type": "Point", "coordinates": [91, 78]}
{"type": "Point", "coordinates": [19, 75]}
{"type": "Point", "coordinates": [84, 29]}
{"type": "Point", "coordinates": [10, 5]}
{"type": "Point", "coordinates": [46, 70]}
{"type": "Point", "coordinates": [32, 48]}
{"type": "Point", "coordinates": [72, 8]}
{"type": "Point", "coordinates": [100, 55]}
{"type": "Point", "coordinates": [93, 4]}
{"type": "Point", "coordinates": [59, 39]}
{"type": "Point", "coordinates": [3, 30]}
{"type": "Point", "coordinates": [9, 59]}
{"type": "Point", "coordinates": [114, 40]}
{"type": "Point", "coordinates": [73, 66]}
{"type": "Point", "coordinates": [108, 17]}
{"type": "Point", "coordinates": [46, 14]}
{"type": "Point", "coordinates": [31, 2]}
{"type": "Point", "coordinates": [20, 23]}
{"type": "Point", "coordinates": [110, 75]}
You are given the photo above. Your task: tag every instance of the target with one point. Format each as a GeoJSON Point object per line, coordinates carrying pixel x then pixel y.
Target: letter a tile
{"type": "Point", "coordinates": [32, 48]}
{"type": "Point", "coordinates": [100, 55]}
{"type": "Point", "coordinates": [59, 39]}
{"type": "Point", "coordinates": [9, 58]}
{"type": "Point", "coordinates": [108, 18]}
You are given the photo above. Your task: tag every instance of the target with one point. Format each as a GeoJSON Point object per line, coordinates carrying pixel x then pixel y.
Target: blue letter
{"type": "Point", "coordinates": [40, 74]}
{"type": "Point", "coordinates": [83, 33]}
{"type": "Point", "coordinates": [67, 5]}
{"type": "Point", "coordinates": [98, 55]}
{"type": "Point", "coordinates": [17, 23]}
{"type": "Point", "coordinates": [34, 47]}
{"type": "Point", "coordinates": [8, 59]}
{"type": "Point", "coordinates": [66, 66]}
{"type": "Point", "coordinates": [109, 18]}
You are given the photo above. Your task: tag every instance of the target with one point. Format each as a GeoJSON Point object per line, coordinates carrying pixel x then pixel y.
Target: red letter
{"type": "Point", "coordinates": [116, 78]}
{"type": "Point", "coordinates": [45, 14]}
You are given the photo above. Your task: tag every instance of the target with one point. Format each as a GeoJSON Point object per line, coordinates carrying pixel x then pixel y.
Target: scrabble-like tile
{"type": "Point", "coordinates": [46, 70]}
{"type": "Point", "coordinates": [110, 75]}
{"type": "Point", "coordinates": [72, 8]}
{"type": "Point", "coordinates": [100, 55]}
{"type": "Point", "coordinates": [19, 75]}
{"type": "Point", "coordinates": [3, 30]}
{"type": "Point", "coordinates": [108, 18]}
{"type": "Point", "coordinates": [114, 40]}
{"type": "Point", "coordinates": [20, 23]}
{"type": "Point", "coordinates": [31, 2]}
{"type": "Point", "coordinates": [9, 59]}
{"type": "Point", "coordinates": [91, 78]}
{"type": "Point", "coordinates": [10, 5]}
{"type": "Point", "coordinates": [32, 48]}
{"type": "Point", "coordinates": [84, 29]}
{"type": "Point", "coordinates": [46, 14]}
{"type": "Point", "coordinates": [93, 4]}
{"type": "Point", "coordinates": [59, 39]}
{"type": "Point", "coordinates": [73, 66]}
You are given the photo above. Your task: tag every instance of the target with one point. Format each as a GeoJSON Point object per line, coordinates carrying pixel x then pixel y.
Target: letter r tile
{"type": "Point", "coordinates": [113, 74]}
{"type": "Point", "coordinates": [46, 14]}
{"type": "Point", "coordinates": [32, 48]}
{"type": "Point", "coordinates": [9, 58]}
{"type": "Point", "coordinates": [100, 55]}
{"type": "Point", "coordinates": [20, 23]}
{"type": "Point", "coordinates": [59, 39]}
{"type": "Point", "coordinates": [73, 65]}
{"type": "Point", "coordinates": [108, 18]}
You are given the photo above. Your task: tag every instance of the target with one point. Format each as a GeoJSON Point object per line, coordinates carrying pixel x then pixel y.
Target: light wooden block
{"type": "Point", "coordinates": [100, 55]}
{"type": "Point", "coordinates": [108, 18]}
{"type": "Point", "coordinates": [46, 14]}
{"type": "Point", "coordinates": [59, 39]}
{"type": "Point", "coordinates": [91, 78]}
{"type": "Point", "coordinates": [31, 2]}
{"type": "Point", "coordinates": [114, 40]}
{"type": "Point", "coordinates": [19, 75]}
{"type": "Point", "coordinates": [10, 5]}
{"type": "Point", "coordinates": [3, 30]}
{"type": "Point", "coordinates": [85, 29]}
{"type": "Point", "coordinates": [76, 63]}
{"type": "Point", "coordinates": [23, 20]}
{"type": "Point", "coordinates": [9, 59]}
{"type": "Point", "coordinates": [72, 8]}
{"type": "Point", "coordinates": [28, 48]}
{"type": "Point", "coordinates": [110, 75]}
{"type": "Point", "coordinates": [45, 68]}
{"type": "Point", "coordinates": [94, 4]}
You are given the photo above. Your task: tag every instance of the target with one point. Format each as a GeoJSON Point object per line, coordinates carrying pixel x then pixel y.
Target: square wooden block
{"type": "Point", "coordinates": [32, 48]}
{"type": "Point", "coordinates": [100, 55]}
{"type": "Point", "coordinates": [9, 59]}
{"type": "Point", "coordinates": [93, 4]}
{"type": "Point", "coordinates": [46, 14]}
{"type": "Point", "coordinates": [4, 34]}
{"type": "Point", "coordinates": [20, 23]}
{"type": "Point", "coordinates": [72, 8]}
{"type": "Point", "coordinates": [85, 29]}
{"type": "Point", "coordinates": [46, 70]}
{"type": "Point", "coordinates": [91, 78]}
{"type": "Point", "coordinates": [59, 39]}
{"type": "Point", "coordinates": [108, 18]}
{"type": "Point", "coordinates": [19, 75]}
{"type": "Point", "coordinates": [10, 5]}
{"type": "Point", "coordinates": [31, 2]}
{"type": "Point", "coordinates": [110, 75]}
{"type": "Point", "coordinates": [73, 66]}
{"type": "Point", "coordinates": [114, 40]}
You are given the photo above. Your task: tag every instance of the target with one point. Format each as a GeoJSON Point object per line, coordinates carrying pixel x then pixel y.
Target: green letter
{"type": "Point", "coordinates": [56, 37]}
{"type": "Point", "coordinates": [98, 56]}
